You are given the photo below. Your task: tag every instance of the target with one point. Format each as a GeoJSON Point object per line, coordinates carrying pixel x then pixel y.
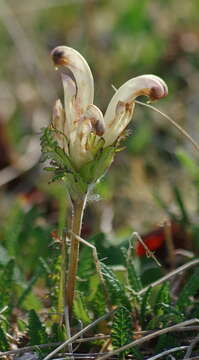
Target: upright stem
{"type": "Point", "coordinates": [77, 215]}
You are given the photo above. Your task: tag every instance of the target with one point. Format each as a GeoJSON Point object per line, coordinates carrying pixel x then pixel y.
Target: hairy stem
{"type": "Point", "coordinates": [77, 215]}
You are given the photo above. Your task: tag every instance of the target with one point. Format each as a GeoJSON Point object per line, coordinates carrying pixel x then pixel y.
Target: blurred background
{"type": "Point", "coordinates": [156, 177]}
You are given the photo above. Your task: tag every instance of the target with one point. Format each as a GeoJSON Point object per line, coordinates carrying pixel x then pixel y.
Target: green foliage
{"type": "Point", "coordinates": [165, 313]}
{"type": "Point", "coordinates": [96, 168]}
{"type": "Point", "coordinates": [115, 288]}
{"type": "Point", "coordinates": [4, 346]}
{"type": "Point", "coordinates": [189, 290]}
{"type": "Point", "coordinates": [86, 268]}
{"type": "Point", "coordinates": [180, 203]}
{"type": "Point", "coordinates": [60, 163]}
{"type": "Point", "coordinates": [7, 285]}
{"type": "Point", "coordinates": [41, 270]}
{"type": "Point", "coordinates": [166, 341]}
{"type": "Point", "coordinates": [163, 297]}
{"type": "Point", "coordinates": [145, 308]}
{"type": "Point", "coordinates": [80, 309]}
{"type": "Point", "coordinates": [22, 233]}
{"type": "Point", "coordinates": [189, 163]}
{"type": "Point", "coordinates": [13, 228]}
{"type": "Point", "coordinates": [36, 330]}
{"type": "Point", "coordinates": [63, 168]}
{"type": "Point", "coordinates": [133, 277]}
{"type": "Point", "coordinates": [97, 303]}
{"type": "Point", "coordinates": [156, 36]}
{"type": "Point", "coordinates": [134, 18]}
{"type": "Point", "coordinates": [58, 332]}
{"type": "Point", "coordinates": [140, 139]}
{"type": "Point", "coordinates": [53, 279]}
{"type": "Point", "coordinates": [121, 330]}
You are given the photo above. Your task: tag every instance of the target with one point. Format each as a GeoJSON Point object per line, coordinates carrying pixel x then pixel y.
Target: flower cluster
{"type": "Point", "coordinates": [87, 138]}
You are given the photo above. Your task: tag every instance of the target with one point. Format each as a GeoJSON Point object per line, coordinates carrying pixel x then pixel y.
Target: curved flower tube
{"type": "Point", "coordinates": [121, 106]}
{"type": "Point", "coordinates": [81, 129]}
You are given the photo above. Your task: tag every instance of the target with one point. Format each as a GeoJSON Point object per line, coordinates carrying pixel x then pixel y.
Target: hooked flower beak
{"type": "Point", "coordinates": [81, 120]}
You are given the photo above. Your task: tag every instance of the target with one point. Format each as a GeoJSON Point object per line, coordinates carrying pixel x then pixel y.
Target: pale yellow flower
{"type": "Point", "coordinates": [81, 126]}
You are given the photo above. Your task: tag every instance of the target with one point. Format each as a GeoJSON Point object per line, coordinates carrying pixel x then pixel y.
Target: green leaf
{"type": "Point", "coordinates": [121, 330]}
{"type": "Point", "coordinates": [133, 277]}
{"type": "Point", "coordinates": [165, 342]}
{"type": "Point", "coordinates": [115, 289]}
{"type": "Point", "coordinates": [27, 289]}
{"type": "Point", "coordinates": [163, 297]}
{"type": "Point", "coordinates": [36, 330]}
{"type": "Point", "coordinates": [189, 290]}
{"type": "Point", "coordinates": [13, 228]}
{"type": "Point", "coordinates": [7, 285]}
{"type": "Point", "coordinates": [96, 168]}
{"type": "Point", "coordinates": [181, 205]}
{"type": "Point", "coordinates": [80, 309]}
{"type": "Point", "coordinates": [145, 307]}
{"type": "Point", "coordinates": [98, 304]}
{"type": "Point", "coordinates": [189, 163]}
{"type": "Point", "coordinates": [60, 161]}
{"type": "Point", "coordinates": [4, 346]}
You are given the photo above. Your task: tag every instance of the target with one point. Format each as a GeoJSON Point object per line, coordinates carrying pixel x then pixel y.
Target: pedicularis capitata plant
{"type": "Point", "coordinates": [81, 142]}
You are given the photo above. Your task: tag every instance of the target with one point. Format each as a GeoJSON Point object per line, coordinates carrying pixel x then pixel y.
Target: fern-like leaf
{"type": "Point", "coordinates": [121, 331]}
{"type": "Point", "coordinates": [133, 278]}
{"type": "Point", "coordinates": [116, 290]}
{"type": "Point", "coordinates": [98, 304]}
{"type": "Point", "coordinates": [13, 228]}
{"type": "Point", "coordinates": [163, 297]}
{"type": "Point", "coordinates": [145, 307]}
{"type": "Point", "coordinates": [60, 163]}
{"type": "Point", "coordinates": [80, 309]}
{"type": "Point", "coordinates": [36, 330]}
{"type": "Point", "coordinates": [6, 284]}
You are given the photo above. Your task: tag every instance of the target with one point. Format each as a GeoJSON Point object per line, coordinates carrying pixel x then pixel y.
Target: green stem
{"type": "Point", "coordinates": [62, 299]}
{"type": "Point", "coordinates": [77, 215]}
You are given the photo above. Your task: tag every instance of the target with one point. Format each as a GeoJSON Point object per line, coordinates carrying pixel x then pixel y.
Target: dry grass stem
{"type": "Point", "coordinates": [167, 352]}
{"type": "Point", "coordinates": [44, 346]}
{"type": "Point", "coordinates": [149, 253]}
{"type": "Point", "coordinates": [76, 336]}
{"type": "Point", "coordinates": [191, 346]}
{"type": "Point", "coordinates": [97, 264]}
{"type": "Point", "coordinates": [149, 337]}
{"type": "Point", "coordinates": [170, 275]}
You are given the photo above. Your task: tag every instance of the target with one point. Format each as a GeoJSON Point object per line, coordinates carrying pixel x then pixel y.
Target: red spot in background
{"type": "Point", "coordinates": [155, 239]}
